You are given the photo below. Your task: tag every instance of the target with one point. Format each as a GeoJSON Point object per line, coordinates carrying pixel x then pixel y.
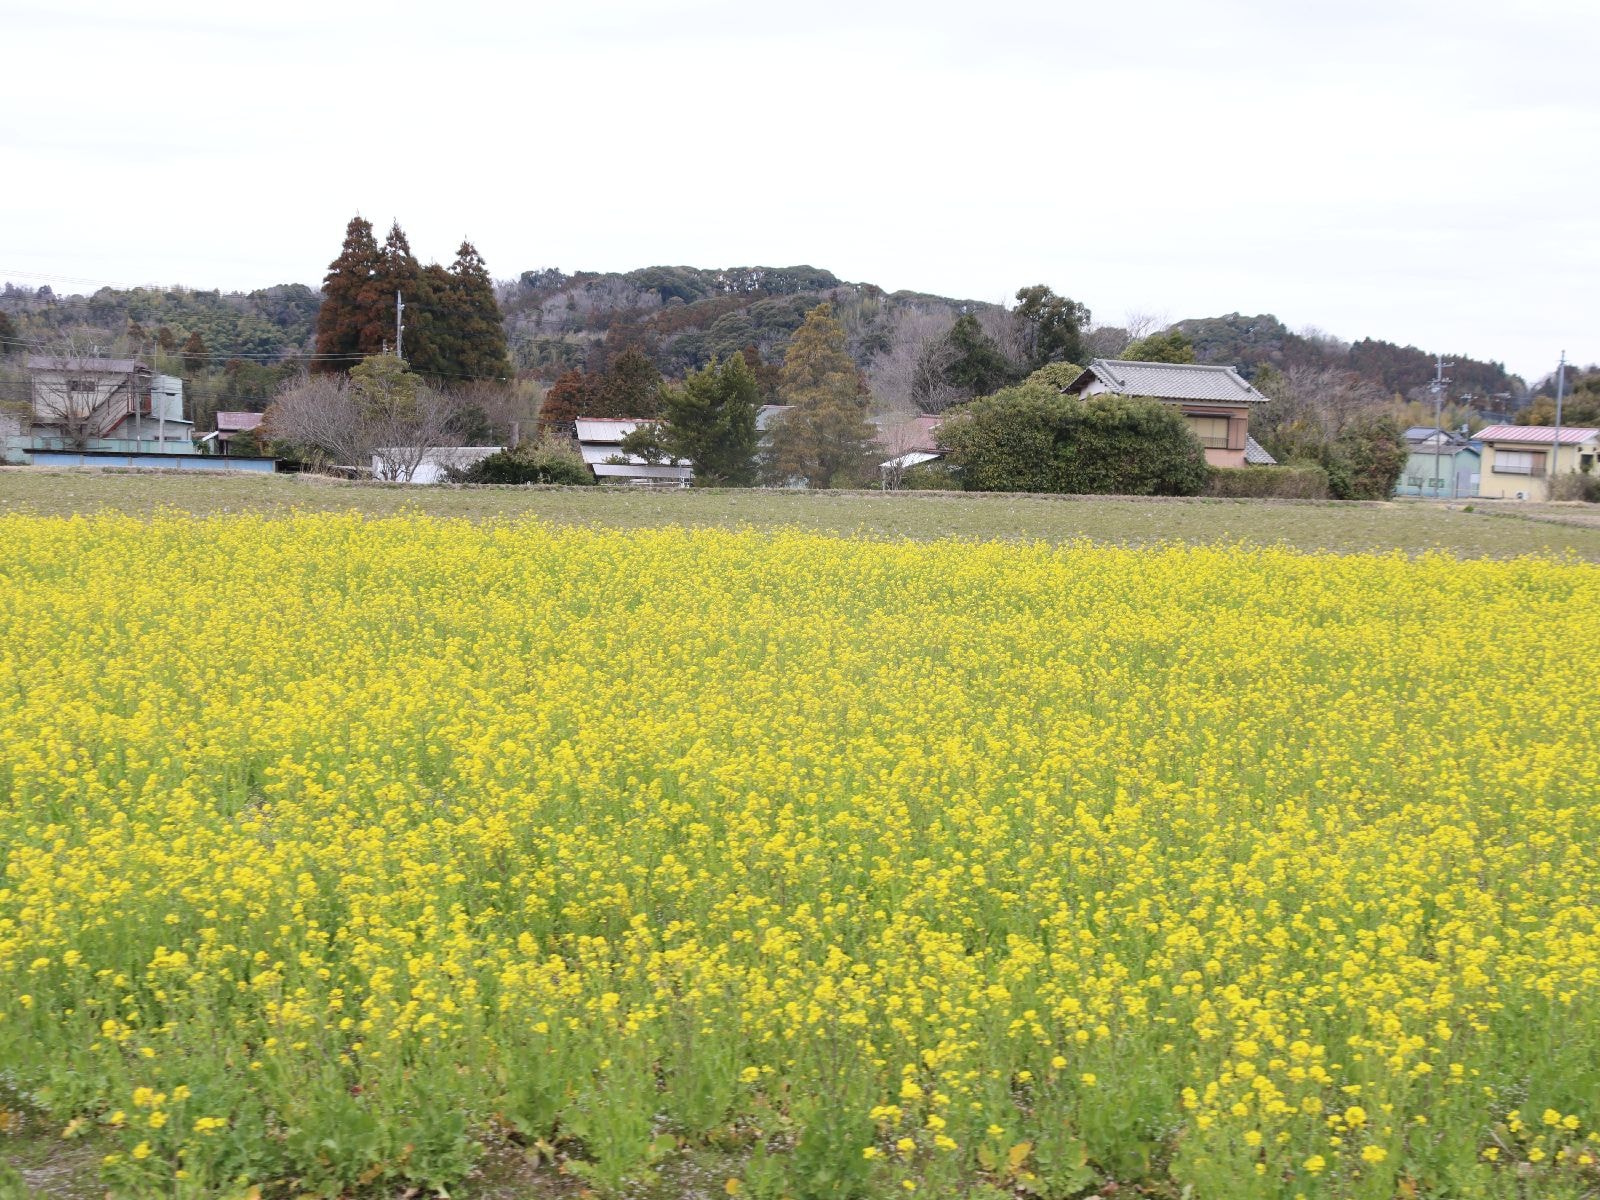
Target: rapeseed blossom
{"type": "Point", "coordinates": [945, 865]}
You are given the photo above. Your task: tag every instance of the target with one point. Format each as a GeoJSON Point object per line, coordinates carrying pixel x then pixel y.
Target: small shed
{"type": "Point", "coordinates": [230, 425]}
{"type": "Point", "coordinates": [600, 443]}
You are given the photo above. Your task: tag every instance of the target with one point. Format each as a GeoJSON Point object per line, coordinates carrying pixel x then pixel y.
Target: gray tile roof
{"type": "Point", "coordinates": [1169, 381]}
{"type": "Point", "coordinates": [1256, 454]}
{"type": "Point", "coordinates": [1427, 433]}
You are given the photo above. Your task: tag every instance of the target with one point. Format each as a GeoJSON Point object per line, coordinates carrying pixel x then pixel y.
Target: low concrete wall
{"type": "Point", "coordinates": [151, 462]}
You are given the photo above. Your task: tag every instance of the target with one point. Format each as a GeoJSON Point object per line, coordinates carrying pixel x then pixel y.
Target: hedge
{"type": "Point", "coordinates": [1269, 483]}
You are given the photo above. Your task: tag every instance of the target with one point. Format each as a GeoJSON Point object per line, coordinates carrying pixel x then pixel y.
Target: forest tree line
{"type": "Point", "coordinates": [528, 356]}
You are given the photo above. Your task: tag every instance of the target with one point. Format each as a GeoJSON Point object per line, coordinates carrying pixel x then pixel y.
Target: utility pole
{"type": "Point", "coordinates": [1439, 381]}
{"type": "Point", "coordinates": [1555, 450]}
{"type": "Point", "coordinates": [399, 326]}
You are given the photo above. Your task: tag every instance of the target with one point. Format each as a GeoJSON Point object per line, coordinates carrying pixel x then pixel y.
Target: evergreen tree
{"type": "Point", "coordinates": [1059, 375]}
{"type": "Point", "coordinates": [194, 352]}
{"type": "Point", "coordinates": [711, 422]}
{"type": "Point", "coordinates": [477, 336]}
{"type": "Point", "coordinates": [570, 397]}
{"type": "Point", "coordinates": [1169, 347]}
{"type": "Point", "coordinates": [767, 374]}
{"type": "Point", "coordinates": [632, 387]}
{"type": "Point", "coordinates": [1052, 325]}
{"type": "Point", "coordinates": [968, 360]}
{"type": "Point", "coordinates": [453, 330]}
{"type": "Point", "coordinates": [398, 272]}
{"type": "Point", "coordinates": [429, 345]}
{"type": "Point", "coordinates": [384, 388]}
{"type": "Point", "coordinates": [346, 322]}
{"type": "Point", "coordinates": [1369, 456]}
{"type": "Point", "coordinates": [824, 438]}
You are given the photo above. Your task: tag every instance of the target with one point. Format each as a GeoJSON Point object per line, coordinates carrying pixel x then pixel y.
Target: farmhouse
{"type": "Point", "coordinates": [230, 425]}
{"type": "Point", "coordinates": [1216, 401]}
{"type": "Point", "coordinates": [1440, 462]}
{"type": "Point", "coordinates": [1518, 460]}
{"type": "Point", "coordinates": [600, 443]}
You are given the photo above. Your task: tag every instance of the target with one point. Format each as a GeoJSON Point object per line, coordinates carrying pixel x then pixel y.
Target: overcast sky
{"type": "Point", "coordinates": [1416, 171]}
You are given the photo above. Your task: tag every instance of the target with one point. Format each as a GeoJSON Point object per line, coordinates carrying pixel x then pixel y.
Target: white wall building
{"type": "Point", "coordinates": [430, 466]}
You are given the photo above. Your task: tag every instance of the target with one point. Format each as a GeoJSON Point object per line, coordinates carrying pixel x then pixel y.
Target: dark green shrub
{"type": "Point", "coordinates": [930, 477]}
{"type": "Point", "coordinates": [548, 461]}
{"type": "Point", "coordinates": [1308, 482]}
{"type": "Point", "coordinates": [1367, 458]}
{"type": "Point", "coordinates": [1031, 438]}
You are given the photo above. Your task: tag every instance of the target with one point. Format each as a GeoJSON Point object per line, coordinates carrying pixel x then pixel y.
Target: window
{"type": "Point", "coordinates": [82, 385]}
{"type": "Point", "coordinates": [1519, 462]}
{"type": "Point", "coordinates": [1437, 484]}
{"type": "Point", "coordinates": [1212, 431]}
{"type": "Point", "coordinates": [1414, 481]}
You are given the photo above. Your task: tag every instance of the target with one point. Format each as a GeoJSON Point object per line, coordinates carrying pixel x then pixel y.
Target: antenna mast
{"type": "Point", "coordinates": [1555, 450]}
{"type": "Point", "coordinates": [1439, 381]}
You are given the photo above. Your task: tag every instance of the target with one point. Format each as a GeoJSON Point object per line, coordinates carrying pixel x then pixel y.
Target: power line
{"type": "Point", "coordinates": [76, 279]}
{"type": "Point", "coordinates": [290, 360]}
{"type": "Point", "coordinates": [37, 345]}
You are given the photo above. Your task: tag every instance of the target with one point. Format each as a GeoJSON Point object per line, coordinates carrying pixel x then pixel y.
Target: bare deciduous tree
{"type": "Point", "coordinates": [1328, 343]}
{"type": "Point", "coordinates": [896, 376]}
{"type": "Point", "coordinates": [1109, 341]}
{"type": "Point", "coordinates": [384, 420]}
{"type": "Point", "coordinates": [1311, 406]}
{"type": "Point", "coordinates": [899, 435]}
{"type": "Point", "coordinates": [402, 440]}
{"type": "Point", "coordinates": [932, 392]}
{"type": "Point", "coordinates": [505, 408]}
{"type": "Point", "coordinates": [1105, 341]}
{"type": "Point", "coordinates": [1008, 332]}
{"type": "Point", "coordinates": [318, 415]}
{"type": "Point", "coordinates": [1141, 323]}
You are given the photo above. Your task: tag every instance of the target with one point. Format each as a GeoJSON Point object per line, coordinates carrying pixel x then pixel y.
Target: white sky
{"type": "Point", "coordinates": [1420, 171]}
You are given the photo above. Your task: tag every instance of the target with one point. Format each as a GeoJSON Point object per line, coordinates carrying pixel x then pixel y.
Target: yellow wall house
{"type": "Point", "coordinates": [1215, 401]}
{"type": "Point", "coordinates": [1518, 460]}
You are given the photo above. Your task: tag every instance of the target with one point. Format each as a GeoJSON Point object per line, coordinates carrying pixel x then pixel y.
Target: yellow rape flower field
{"type": "Point", "coordinates": [338, 850]}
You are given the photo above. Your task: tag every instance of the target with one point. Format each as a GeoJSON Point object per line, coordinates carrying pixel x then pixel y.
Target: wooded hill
{"type": "Point", "coordinates": [268, 323]}
{"type": "Point", "coordinates": [680, 317]}
{"type": "Point", "coordinates": [1250, 343]}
